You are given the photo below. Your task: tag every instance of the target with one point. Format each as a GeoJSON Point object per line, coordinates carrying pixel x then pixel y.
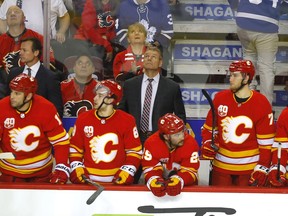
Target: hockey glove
{"type": "Point", "coordinates": [174, 185]}
{"type": "Point", "coordinates": [207, 151]}
{"type": "Point", "coordinates": [60, 174]}
{"type": "Point", "coordinates": [125, 175]}
{"type": "Point", "coordinates": [157, 186]}
{"type": "Point", "coordinates": [77, 170]}
{"type": "Point", "coordinates": [275, 178]}
{"type": "Point", "coordinates": [258, 176]}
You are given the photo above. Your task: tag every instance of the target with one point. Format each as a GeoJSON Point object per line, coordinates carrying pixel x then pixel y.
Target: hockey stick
{"type": "Point", "coordinates": [7, 155]}
{"type": "Point", "coordinates": [99, 190]}
{"type": "Point", "coordinates": [209, 99]}
{"type": "Point", "coordinates": [278, 160]}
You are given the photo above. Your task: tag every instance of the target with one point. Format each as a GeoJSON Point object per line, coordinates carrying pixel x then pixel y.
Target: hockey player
{"type": "Point", "coordinates": [278, 175]}
{"type": "Point", "coordinates": [105, 144]}
{"type": "Point", "coordinates": [170, 160]}
{"type": "Point", "coordinates": [244, 131]}
{"type": "Point", "coordinates": [29, 127]}
{"type": "Point", "coordinates": [257, 29]}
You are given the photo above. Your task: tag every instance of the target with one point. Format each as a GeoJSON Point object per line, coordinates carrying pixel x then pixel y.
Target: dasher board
{"type": "Point", "coordinates": [215, 56]}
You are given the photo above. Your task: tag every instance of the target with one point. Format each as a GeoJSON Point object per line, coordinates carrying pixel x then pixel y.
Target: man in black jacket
{"type": "Point", "coordinates": [48, 84]}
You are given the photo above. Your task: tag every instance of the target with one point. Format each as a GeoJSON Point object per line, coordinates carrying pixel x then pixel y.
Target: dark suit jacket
{"type": "Point", "coordinates": [168, 100]}
{"type": "Point", "coordinates": [48, 86]}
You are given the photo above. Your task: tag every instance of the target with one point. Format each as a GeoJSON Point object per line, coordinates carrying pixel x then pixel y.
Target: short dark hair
{"type": "Point", "coordinates": [36, 44]}
{"type": "Point", "coordinates": [155, 48]}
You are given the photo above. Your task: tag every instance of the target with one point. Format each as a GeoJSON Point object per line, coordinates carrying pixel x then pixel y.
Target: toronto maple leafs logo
{"type": "Point", "coordinates": [74, 108]}
{"type": "Point", "coordinates": [151, 30]}
{"type": "Point", "coordinates": [105, 20]}
{"type": "Point", "coordinates": [11, 59]}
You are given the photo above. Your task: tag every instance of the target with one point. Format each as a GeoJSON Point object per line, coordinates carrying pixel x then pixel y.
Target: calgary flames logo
{"type": "Point", "coordinates": [105, 20]}
{"type": "Point", "coordinates": [19, 136]}
{"type": "Point", "coordinates": [11, 60]}
{"type": "Point", "coordinates": [98, 145]}
{"type": "Point", "coordinates": [74, 108]}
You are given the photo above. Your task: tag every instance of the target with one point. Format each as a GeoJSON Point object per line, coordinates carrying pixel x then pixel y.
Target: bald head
{"type": "Point", "coordinates": [15, 16]}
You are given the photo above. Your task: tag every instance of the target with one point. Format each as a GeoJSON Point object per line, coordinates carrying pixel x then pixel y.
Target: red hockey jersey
{"type": "Point", "coordinates": [157, 160]}
{"type": "Point", "coordinates": [10, 49]}
{"type": "Point", "coordinates": [75, 99]}
{"type": "Point", "coordinates": [104, 145]}
{"type": "Point", "coordinates": [245, 132]}
{"type": "Point", "coordinates": [30, 136]}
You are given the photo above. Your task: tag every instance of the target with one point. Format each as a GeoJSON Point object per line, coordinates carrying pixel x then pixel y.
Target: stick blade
{"type": "Point", "coordinates": [93, 197]}
{"type": "Point", "coordinates": [99, 190]}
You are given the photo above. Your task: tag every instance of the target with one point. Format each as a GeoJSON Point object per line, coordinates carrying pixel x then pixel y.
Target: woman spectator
{"type": "Point", "coordinates": [129, 62]}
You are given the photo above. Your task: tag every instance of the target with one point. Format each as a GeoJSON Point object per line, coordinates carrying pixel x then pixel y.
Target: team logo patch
{"type": "Point", "coordinates": [88, 131]}
{"type": "Point", "coordinates": [222, 110]}
{"type": "Point", "coordinates": [9, 123]}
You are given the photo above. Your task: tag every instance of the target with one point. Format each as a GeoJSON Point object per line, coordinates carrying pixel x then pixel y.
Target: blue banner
{"type": "Point", "coordinates": [208, 11]}
{"type": "Point", "coordinates": [196, 125]}
{"type": "Point", "coordinates": [211, 12]}
{"type": "Point", "coordinates": [68, 123]}
{"type": "Point", "coordinates": [218, 52]}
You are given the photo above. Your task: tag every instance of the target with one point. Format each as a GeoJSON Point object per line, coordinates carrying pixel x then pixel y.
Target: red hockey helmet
{"type": "Point", "coordinates": [114, 89]}
{"type": "Point", "coordinates": [24, 83]}
{"type": "Point", "coordinates": [243, 66]}
{"type": "Point", "coordinates": [170, 124]}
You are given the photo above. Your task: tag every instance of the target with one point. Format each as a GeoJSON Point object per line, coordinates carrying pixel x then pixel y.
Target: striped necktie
{"type": "Point", "coordinates": [146, 107]}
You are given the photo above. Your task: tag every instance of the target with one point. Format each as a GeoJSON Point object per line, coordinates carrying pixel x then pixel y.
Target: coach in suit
{"type": "Point", "coordinates": [164, 97]}
{"type": "Point", "coordinates": [48, 84]}
{"type": "Point", "coordinates": [166, 94]}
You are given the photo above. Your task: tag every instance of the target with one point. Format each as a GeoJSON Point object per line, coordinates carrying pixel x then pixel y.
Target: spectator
{"type": "Point", "coordinates": [97, 30]}
{"type": "Point", "coordinates": [243, 134]}
{"type": "Point", "coordinates": [10, 41]}
{"type": "Point", "coordinates": [30, 135]}
{"type": "Point", "coordinates": [154, 15]}
{"type": "Point", "coordinates": [277, 176]}
{"type": "Point", "coordinates": [129, 62]}
{"type": "Point", "coordinates": [78, 91]}
{"type": "Point", "coordinates": [59, 16]}
{"type": "Point", "coordinates": [49, 86]}
{"type": "Point", "coordinates": [35, 17]}
{"type": "Point", "coordinates": [165, 97]}
{"type": "Point", "coordinates": [257, 28]}
{"type": "Point", "coordinates": [180, 150]}
{"type": "Point", "coordinates": [104, 150]}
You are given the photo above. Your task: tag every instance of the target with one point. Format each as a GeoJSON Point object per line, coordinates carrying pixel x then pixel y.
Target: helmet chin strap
{"type": "Point", "coordinates": [103, 102]}
{"type": "Point", "coordinates": [241, 86]}
{"type": "Point", "coordinates": [18, 108]}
